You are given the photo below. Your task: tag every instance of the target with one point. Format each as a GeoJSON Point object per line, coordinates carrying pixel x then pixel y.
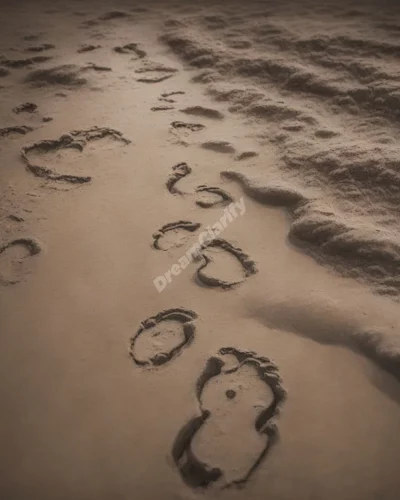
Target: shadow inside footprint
{"type": "Point", "coordinates": [12, 258]}
{"type": "Point", "coordinates": [162, 337]}
{"type": "Point", "coordinates": [239, 393]}
{"type": "Point", "coordinates": [174, 234]}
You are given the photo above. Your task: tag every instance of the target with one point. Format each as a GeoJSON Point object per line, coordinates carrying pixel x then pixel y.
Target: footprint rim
{"type": "Point", "coordinates": [196, 473]}
{"type": "Point", "coordinates": [185, 316]}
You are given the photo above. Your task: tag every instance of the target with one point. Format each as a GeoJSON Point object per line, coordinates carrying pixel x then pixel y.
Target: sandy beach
{"type": "Point", "coordinates": [200, 250]}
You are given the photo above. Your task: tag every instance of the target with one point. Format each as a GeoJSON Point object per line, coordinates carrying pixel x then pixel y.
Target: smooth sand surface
{"type": "Point", "coordinates": [270, 366]}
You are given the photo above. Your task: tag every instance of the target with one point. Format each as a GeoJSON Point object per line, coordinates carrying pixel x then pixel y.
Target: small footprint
{"type": "Point", "coordinates": [131, 48]}
{"type": "Point", "coordinates": [12, 257]}
{"type": "Point", "coordinates": [166, 96]}
{"type": "Point", "coordinates": [161, 338]}
{"type": "Point", "coordinates": [183, 130]}
{"type": "Point", "coordinates": [239, 396]}
{"type": "Point", "coordinates": [173, 234]}
{"type": "Point", "coordinates": [26, 107]}
{"type": "Point", "coordinates": [192, 127]}
{"type": "Point", "coordinates": [219, 197]}
{"type": "Point", "coordinates": [76, 140]}
{"type": "Point", "coordinates": [215, 196]}
{"type": "Point", "coordinates": [155, 73]}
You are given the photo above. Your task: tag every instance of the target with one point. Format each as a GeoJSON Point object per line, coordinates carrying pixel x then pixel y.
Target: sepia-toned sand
{"type": "Point", "coordinates": [268, 366]}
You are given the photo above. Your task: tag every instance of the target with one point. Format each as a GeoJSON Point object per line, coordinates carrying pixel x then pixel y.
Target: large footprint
{"type": "Point", "coordinates": [161, 338]}
{"type": "Point", "coordinates": [239, 395]}
{"type": "Point", "coordinates": [50, 151]}
{"type": "Point", "coordinates": [12, 259]}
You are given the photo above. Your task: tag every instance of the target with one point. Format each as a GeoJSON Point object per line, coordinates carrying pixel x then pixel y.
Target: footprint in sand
{"type": "Point", "coordinates": [239, 395]}
{"type": "Point", "coordinates": [68, 151]}
{"type": "Point", "coordinates": [223, 265]}
{"type": "Point", "coordinates": [13, 256]}
{"type": "Point", "coordinates": [213, 197]}
{"type": "Point", "coordinates": [183, 130]}
{"type": "Point", "coordinates": [26, 107]}
{"type": "Point", "coordinates": [174, 234]}
{"type": "Point", "coordinates": [166, 96]}
{"type": "Point", "coordinates": [131, 49]}
{"type": "Point", "coordinates": [15, 130]}
{"type": "Point", "coordinates": [154, 73]}
{"type": "Point", "coordinates": [161, 338]}
{"type": "Point", "coordinates": [210, 196]}
{"type": "Point", "coordinates": [179, 171]}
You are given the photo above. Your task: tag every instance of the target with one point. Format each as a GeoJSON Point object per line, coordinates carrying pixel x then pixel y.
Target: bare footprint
{"type": "Point", "coordinates": [131, 49]}
{"type": "Point", "coordinates": [210, 196]}
{"type": "Point", "coordinates": [214, 197]}
{"type": "Point", "coordinates": [239, 396]}
{"type": "Point", "coordinates": [166, 96]}
{"type": "Point", "coordinates": [26, 107]}
{"type": "Point", "coordinates": [40, 157]}
{"type": "Point", "coordinates": [12, 259]}
{"type": "Point", "coordinates": [179, 171]}
{"type": "Point", "coordinates": [161, 338]}
{"type": "Point", "coordinates": [224, 265]}
{"type": "Point", "coordinates": [183, 130]}
{"type": "Point", "coordinates": [174, 234]}
{"type": "Point", "coordinates": [154, 72]}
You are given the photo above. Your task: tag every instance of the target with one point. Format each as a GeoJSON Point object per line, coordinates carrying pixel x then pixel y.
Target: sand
{"type": "Point", "coordinates": [200, 250]}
